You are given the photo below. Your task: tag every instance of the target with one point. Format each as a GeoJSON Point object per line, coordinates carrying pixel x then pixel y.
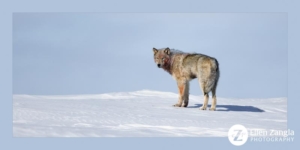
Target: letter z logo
{"type": "Point", "coordinates": [236, 138]}
{"type": "Point", "coordinates": [238, 135]}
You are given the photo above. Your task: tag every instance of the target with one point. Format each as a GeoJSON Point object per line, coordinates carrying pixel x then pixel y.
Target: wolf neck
{"type": "Point", "coordinates": [168, 65]}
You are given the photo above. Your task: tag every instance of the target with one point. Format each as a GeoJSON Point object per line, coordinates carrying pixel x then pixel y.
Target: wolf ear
{"type": "Point", "coordinates": [155, 50]}
{"type": "Point", "coordinates": [167, 51]}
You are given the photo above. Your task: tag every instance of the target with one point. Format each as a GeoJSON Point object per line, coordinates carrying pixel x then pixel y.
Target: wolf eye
{"type": "Point", "coordinates": [163, 58]}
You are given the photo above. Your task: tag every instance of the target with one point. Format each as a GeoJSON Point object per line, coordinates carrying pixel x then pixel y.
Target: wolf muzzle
{"type": "Point", "coordinates": [158, 65]}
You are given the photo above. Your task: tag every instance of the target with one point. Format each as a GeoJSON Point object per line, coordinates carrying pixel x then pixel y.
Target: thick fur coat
{"type": "Point", "coordinates": [187, 66]}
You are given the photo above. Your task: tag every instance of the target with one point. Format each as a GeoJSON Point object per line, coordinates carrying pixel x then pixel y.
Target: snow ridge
{"type": "Point", "coordinates": [142, 113]}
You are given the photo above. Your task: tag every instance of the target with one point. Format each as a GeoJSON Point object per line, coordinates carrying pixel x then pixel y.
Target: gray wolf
{"type": "Point", "coordinates": [187, 66]}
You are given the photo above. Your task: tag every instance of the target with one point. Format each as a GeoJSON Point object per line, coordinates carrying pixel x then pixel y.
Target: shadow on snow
{"type": "Point", "coordinates": [231, 108]}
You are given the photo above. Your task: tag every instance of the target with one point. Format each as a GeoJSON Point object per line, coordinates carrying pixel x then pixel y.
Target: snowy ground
{"type": "Point", "coordinates": [140, 114]}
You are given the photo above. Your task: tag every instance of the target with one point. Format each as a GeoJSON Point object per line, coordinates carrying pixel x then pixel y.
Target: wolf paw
{"type": "Point", "coordinates": [212, 109]}
{"type": "Point", "coordinates": [177, 105]}
{"type": "Point", "coordinates": [202, 108]}
{"type": "Point", "coordinates": [184, 105]}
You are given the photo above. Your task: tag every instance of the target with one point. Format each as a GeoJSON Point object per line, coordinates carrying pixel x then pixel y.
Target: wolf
{"type": "Point", "coordinates": [187, 66]}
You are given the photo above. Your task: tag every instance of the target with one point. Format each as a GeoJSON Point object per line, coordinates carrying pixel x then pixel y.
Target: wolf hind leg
{"type": "Point", "coordinates": [214, 99]}
{"type": "Point", "coordinates": [206, 96]}
{"type": "Point", "coordinates": [204, 106]}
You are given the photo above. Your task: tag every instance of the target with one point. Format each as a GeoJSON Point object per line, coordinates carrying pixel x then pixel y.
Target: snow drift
{"type": "Point", "coordinates": [140, 114]}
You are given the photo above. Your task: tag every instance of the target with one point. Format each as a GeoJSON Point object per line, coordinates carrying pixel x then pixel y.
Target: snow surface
{"type": "Point", "coordinates": [140, 114]}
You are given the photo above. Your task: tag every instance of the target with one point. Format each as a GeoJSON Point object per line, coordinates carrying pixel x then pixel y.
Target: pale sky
{"type": "Point", "coordinates": [94, 53]}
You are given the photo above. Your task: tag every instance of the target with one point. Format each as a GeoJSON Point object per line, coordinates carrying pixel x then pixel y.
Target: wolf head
{"type": "Point", "coordinates": [162, 57]}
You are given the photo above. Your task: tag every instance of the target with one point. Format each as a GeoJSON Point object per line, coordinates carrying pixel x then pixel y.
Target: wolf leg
{"type": "Point", "coordinates": [214, 99]}
{"type": "Point", "coordinates": [206, 96]}
{"type": "Point", "coordinates": [204, 106]}
{"type": "Point", "coordinates": [182, 90]}
{"type": "Point", "coordinates": [186, 95]}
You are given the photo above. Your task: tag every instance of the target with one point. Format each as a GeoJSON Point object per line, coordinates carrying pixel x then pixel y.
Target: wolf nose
{"type": "Point", "coordinates": [158, 65]}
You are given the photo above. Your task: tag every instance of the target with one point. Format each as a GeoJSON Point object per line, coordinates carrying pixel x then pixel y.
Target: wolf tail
{"type": "Point", "coordinates": [217, 72]}
{"type": "Point", "coordinates": [214, 76]}
{"type": "Point", "coordinates": [215, 65]}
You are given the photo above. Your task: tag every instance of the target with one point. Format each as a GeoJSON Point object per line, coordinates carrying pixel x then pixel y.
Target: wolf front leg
{"type": "Point", "coordinates": [186, 95]}
{"type": "Point", "coordinates": [183, 90]}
